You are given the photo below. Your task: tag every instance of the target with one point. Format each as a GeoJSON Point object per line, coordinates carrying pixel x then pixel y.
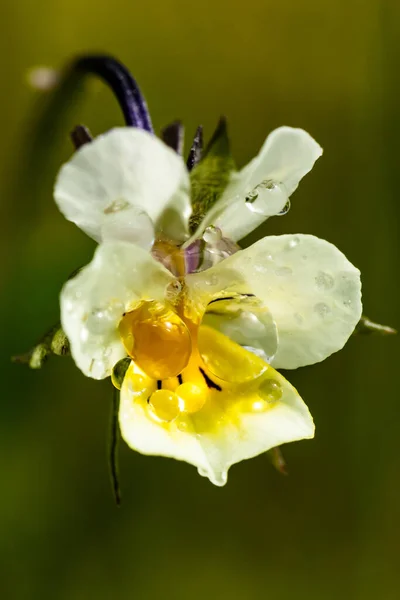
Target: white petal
{"type": "Point", "coordinates": [123, 169]}
{"type": "Point", "coordinates": [93, 302]}
{"type": "Point", "coordinates": [228, 429]}
{"type": "Point", "coordinates": [132, 225]}
{"type": "Point", "coordinates": [266, 182]}
{"type": "Point", "coordinates": [311, 289]}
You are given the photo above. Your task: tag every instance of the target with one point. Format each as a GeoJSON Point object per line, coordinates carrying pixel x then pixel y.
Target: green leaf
{"type": "Point", "coordinates": [211, 176]}
{"type": "Point", "coordinates": [365, 327]}
{"type": "Point", "coordinates": [53, 342]}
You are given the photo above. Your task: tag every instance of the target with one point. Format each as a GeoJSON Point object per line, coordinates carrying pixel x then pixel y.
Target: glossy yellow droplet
{"type": "Point", "coordinates": [138, 383]}
{"type": "Point", "coordinates": [270, 390]}
{"type": "Point", "coordinates": [165, 405]}
{"type": "Point", "coordinates": [157, 340]}
{"type": "Point", "coordinates": [192, 397]}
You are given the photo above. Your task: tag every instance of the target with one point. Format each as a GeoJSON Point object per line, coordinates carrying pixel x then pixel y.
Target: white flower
{"type": "Point", "coordinates": [202, 386]}
{"type": "Point", "coordinates": [127, 184]}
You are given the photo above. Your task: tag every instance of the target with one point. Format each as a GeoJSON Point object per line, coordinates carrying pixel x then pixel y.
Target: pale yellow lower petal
{"type": "Point", "coordinates": [239, 420]}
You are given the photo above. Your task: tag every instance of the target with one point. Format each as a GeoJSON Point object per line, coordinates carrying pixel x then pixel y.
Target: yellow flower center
{"type": "Point", "coordinates": [184, 369]}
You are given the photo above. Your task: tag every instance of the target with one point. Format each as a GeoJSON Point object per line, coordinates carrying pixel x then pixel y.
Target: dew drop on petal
{"type": "Point", "coordinates": [183, 425]}
{"type": "Point", "coordinates": [212, 235]}
{"type": "Point", "coordinates": [322, 309]}
{"type": "Point", "coordinates": [126, 223]}
{"type": "Point", "coordinates": [192, 397]}
{"type": "Point", "coordinates": [324, 281]}
{"type": "Point", "coordinates": [285, 209]}
{"type": "Point", "coordinates": [270, 390]}
{"type": "Point", "coordinates": [157, 339]}
{"type": "Point", "coordinates": [266, 198]}
{"type": "Point", "coordinates": [293, 243]}
{"type": "Point", "coordinates": [137, 383]}
{"type": "Point", "coordinates": [165, 405]}
{"type": "Point", "coordinates": [100, 320]}
{"type": "Point", "coordinates": [258, 406]}
{"type": "Point", "coordinates": [212, 280]}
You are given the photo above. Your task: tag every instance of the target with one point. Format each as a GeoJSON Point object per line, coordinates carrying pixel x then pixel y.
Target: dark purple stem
{"type": "Point", "coordinates": [117, 76]}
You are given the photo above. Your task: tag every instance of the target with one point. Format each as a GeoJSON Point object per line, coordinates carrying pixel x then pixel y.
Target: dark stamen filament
{"type": "Point", "coordinates": [210, 383]}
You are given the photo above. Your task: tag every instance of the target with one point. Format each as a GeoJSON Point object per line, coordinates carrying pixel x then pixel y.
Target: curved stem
{"type": "Point", "coordinates": [124, 86]}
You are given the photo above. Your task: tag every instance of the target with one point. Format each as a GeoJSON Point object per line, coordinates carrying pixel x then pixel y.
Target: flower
{"type": "Point", "coordinates": [202, 385]}
{"type": "Point", "coordinates": [202, 324]}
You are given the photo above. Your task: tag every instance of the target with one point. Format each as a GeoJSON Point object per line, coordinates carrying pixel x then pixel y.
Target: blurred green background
{"type": "Point", "coordinates": [331, 528]}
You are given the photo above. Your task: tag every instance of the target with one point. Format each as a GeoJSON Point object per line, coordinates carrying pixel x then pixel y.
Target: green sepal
{"type": "Point", "coordinates": [365, 327]}
{"type": "Point", "coordinates": [211, 175]}
{"type": "Point", "coordinates": [53, 342]}
{"type": "Point", "coordinates": [277, 460]}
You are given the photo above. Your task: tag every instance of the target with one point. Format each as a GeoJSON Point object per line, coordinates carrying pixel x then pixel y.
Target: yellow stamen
{"type": "Point", "coordinates": [157, 339]}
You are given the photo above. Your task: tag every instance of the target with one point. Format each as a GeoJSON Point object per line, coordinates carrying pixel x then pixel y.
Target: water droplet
{"type": "Point", "coordinates": [137, 383]}
{"type": "Point", "coordinates": [100, 320]}
{"type": "Point", "coordinates": [183, 426]}
{"type": "Point", "coordinates": [212, 235]}
{"type": "Point", "coordinates": [192, 397]}
{"type": "Point", "coordinates": [157, 339]}
{"type": "Point", "coordinates": [324, 281]}
{"type": "Point", "coordinates": [295, 241]}
{"type": "Point", "coordinates": [165, 405]}
{"type": "Point", "coordinates": [285, 209]}
{"type": "Point", "coordinates": [322, 309]}
{"type": "Point", "coordinates": [116, 206]}
{"type": "Point", "coordinates": [267, 198]}
{"type": "Point", "coordinates": [258, 406]}
{"type": "Point", "coordinates": [283, 271]}
{"type": "Point", "coordinates": [123, 222]}
{"type": "Point", "coordinates": [270, 390]}
{"type": "Point", "coordinates": [212, 280]}
{"type": "Point", "coordinates": [347, 303]}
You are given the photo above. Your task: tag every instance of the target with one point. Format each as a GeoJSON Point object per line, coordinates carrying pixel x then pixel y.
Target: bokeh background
{"type": "Point", "coordinates": [331, 528]}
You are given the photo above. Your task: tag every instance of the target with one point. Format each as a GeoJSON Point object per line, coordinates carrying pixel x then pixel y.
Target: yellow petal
{"type": "Point", "coordinates": [248, 409]}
